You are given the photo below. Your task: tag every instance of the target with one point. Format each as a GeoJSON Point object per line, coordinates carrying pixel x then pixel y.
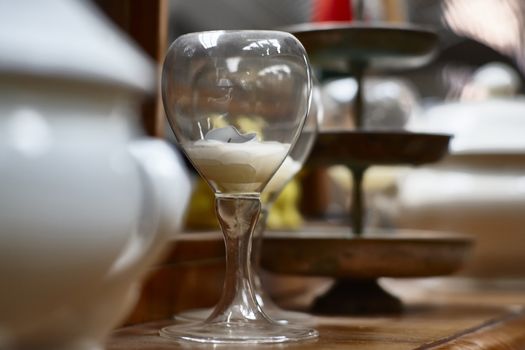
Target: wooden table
{"type": "Point", "coordinates": [440, 314]}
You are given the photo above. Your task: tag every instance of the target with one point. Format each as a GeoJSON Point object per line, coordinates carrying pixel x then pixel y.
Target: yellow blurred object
{"type": "Point", "coordinates": [201, 211]}
{"type": "Point", "coordinates": [377, 178]}
{"type": "Point", "coordinates": [284, 214]}
{"type": "Point", "coordinates": [252, 124]}
{"type": "Point", "coordinates": [217, 121]}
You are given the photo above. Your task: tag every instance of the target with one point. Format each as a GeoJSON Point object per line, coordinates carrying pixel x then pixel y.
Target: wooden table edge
{"type": "Point", "coordinates": [505, 332]}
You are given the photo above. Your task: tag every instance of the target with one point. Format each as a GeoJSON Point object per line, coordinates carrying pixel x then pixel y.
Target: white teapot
{"type": "Point", "coordinates": [86, 201]}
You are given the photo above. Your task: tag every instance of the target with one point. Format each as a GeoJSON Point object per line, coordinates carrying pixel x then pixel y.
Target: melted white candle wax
{"type": "Point", "coordinates": [288, 169]}
{"type": "Point", "coordinates": [237, 167]}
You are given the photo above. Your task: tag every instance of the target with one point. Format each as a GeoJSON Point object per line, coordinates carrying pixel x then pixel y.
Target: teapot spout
{"type": "Point", "coordinates": [167, 190]}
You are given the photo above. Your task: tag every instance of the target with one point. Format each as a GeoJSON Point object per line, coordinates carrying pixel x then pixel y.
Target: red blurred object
{"type": "Point", "coordinates": [332, 10]}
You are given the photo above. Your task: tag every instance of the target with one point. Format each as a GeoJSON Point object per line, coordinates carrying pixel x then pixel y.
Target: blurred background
{"type": "Point", "coordinates": [473, 90]}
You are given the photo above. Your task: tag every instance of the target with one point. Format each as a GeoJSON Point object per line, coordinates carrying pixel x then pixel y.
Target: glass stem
{"type": "Point", "coordinates": [258, 238]}
{"type": "Point", "coordinates": [262, 299]}
{"type": "Point", "coordinates": [237, 216]}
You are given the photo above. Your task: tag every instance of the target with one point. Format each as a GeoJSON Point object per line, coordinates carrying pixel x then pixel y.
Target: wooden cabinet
{"type": "Point", "coordinates": [146, 21]}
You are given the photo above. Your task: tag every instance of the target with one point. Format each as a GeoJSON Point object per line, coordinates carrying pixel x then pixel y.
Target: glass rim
{"type": "Point", "coordinates": [234, 31]}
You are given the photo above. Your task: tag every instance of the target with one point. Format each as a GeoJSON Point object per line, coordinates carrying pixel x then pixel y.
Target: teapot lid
{"type": "Point", "coordinates": [70, 39]}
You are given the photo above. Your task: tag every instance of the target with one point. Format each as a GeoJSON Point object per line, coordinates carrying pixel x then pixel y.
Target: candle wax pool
{"type": "Point", "coordinates": [288, 169]}
{"type": "Point", "coordinates": [237, 167]}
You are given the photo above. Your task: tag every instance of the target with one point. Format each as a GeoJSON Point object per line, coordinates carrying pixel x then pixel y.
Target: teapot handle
{"type": "Point", "coordinates": [166, 186]}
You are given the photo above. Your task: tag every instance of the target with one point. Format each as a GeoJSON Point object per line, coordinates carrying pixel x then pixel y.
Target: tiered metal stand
{"type": "Point", "coordinates": [358, 258]}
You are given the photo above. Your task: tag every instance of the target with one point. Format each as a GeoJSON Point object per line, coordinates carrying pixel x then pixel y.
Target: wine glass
{"type": "Point", "coordinates": [237, 102]}
{"type": "Point", "coordinates": [288, 169]}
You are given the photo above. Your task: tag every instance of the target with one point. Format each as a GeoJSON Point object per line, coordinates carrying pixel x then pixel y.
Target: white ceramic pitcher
{"type": "Point", "coordinates": [86, 201]}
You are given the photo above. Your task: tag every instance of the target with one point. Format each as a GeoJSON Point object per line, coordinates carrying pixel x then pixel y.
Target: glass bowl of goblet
{"type": "Point", "coordinates": [237, 102]}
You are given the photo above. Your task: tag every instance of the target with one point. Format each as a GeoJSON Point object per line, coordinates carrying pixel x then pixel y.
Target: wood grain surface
{"type": "Point", "coordinates": [420, 327]}
{"type": "Point", "coordinates": [441, 313]}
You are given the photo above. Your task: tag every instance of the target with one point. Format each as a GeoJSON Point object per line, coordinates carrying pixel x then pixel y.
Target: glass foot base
{"type": "Point", "coordinates": [289, 317]}
{"type": "Point", "coordinates": [193, 315]}
{"type": "Point", "coordinates": [238, 333]}
{"type": "Point", "coordinates": [277, 315]}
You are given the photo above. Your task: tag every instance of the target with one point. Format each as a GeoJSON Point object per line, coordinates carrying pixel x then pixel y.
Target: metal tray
{"type": "Point", "coordinates": [378, 148]}
{"type": "Point", "coordinates": [339, 46]}
{"type": "Point", "coordinates": [337, 253]}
